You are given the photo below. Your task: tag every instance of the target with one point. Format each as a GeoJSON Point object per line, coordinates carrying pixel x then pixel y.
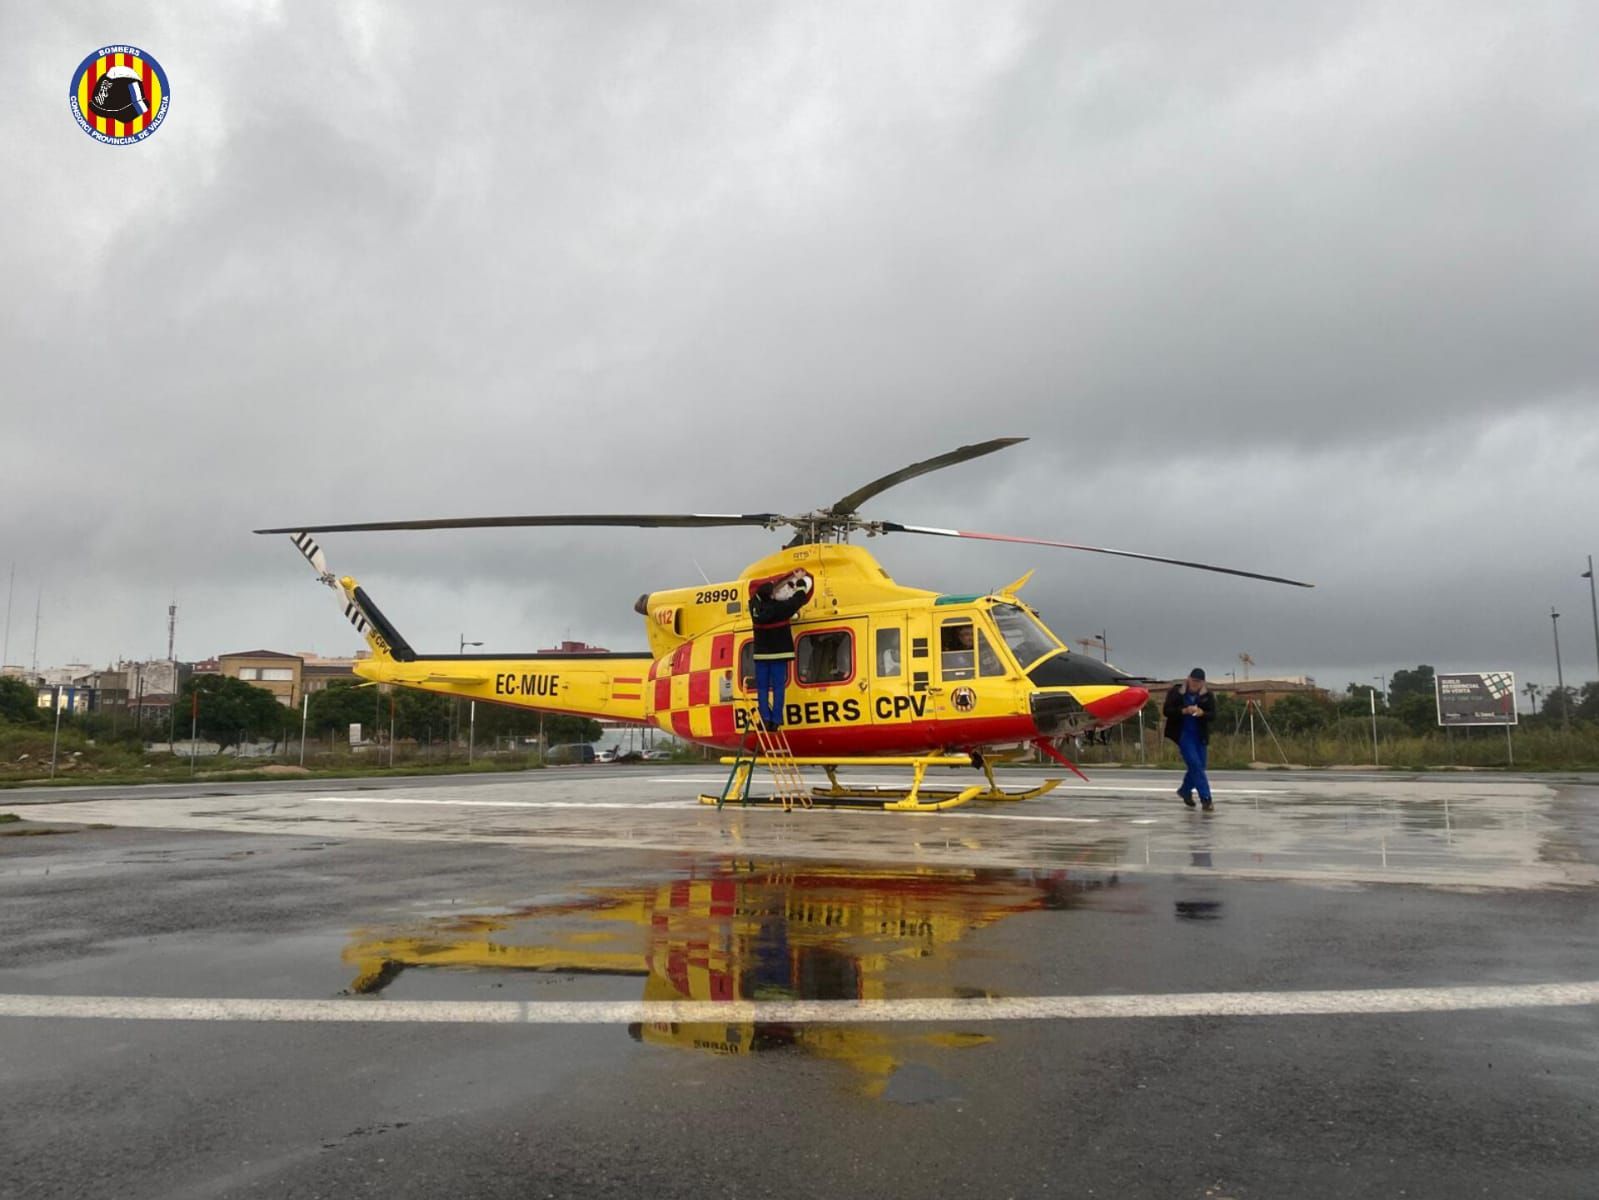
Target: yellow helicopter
{"type": "Point", "coordinates": [883, 674]}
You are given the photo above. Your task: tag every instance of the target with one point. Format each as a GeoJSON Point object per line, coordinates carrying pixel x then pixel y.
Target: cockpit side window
{"type": "Point", "coordinates": [1027, 639]}
{"type": "Point", "coordinates": [989, 663]}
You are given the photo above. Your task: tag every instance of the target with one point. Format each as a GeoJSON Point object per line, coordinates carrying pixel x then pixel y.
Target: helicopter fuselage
{"type": "Point", "coordinates": [879, 668]}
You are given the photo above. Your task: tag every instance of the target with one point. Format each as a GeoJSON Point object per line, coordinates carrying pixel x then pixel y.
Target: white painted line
{"type": "Point", "coordinates": [1065, 789]}
{"type": "Point", "coordinates": [683, 804]}
{"type": "Point", "coordinates": [679, 805]}
{"type": "Point", "coordinates": [1359, 1002]}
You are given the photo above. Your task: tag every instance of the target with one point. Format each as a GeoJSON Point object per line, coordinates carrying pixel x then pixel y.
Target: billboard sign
{"type": "Point", "coordinates": [1476, 698]}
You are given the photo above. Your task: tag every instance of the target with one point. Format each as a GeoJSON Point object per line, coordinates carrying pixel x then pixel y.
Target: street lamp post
{"type": "Point", "coordinates": [455, 704]}
{"type": "Point", "coordinates": [1376, 759]}
{"type": "Point", "coordinates": [1560, 676]}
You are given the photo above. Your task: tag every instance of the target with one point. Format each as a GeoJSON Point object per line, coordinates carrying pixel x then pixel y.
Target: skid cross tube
{"type": "Point", "coordinates": [915, 798]}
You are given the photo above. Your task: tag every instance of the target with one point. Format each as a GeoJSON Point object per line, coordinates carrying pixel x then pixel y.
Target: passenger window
{"type": "Point", "coordinates": [824, 657]}
{"type": "Point", "coordinates": [746, 666]}
{"type": "Point", "coordinates": [988, 662]}
{"type": "Point", "coordinates": [957, 653]}
{"type": "Point", "coordinates": [888, 662]}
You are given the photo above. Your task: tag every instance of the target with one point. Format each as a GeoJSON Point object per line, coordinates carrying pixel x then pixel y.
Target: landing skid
{"type": "Point", "coordinates": [890, 798]}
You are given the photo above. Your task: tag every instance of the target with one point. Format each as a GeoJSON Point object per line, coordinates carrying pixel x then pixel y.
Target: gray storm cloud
{"type": "Point", "coordinates": [1305, 291]}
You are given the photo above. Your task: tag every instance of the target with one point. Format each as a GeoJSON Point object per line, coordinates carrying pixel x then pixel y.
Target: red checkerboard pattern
{"type": "Point", "coordinates": [686, 689]}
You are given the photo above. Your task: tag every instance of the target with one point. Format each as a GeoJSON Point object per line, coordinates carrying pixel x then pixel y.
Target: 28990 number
{"type": "Point", "coordinates": [716, 596]}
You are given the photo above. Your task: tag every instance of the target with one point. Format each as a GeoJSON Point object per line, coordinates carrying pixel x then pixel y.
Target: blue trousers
{"type": "Point", "coordinates": [1194, 779]}
{"type": "Point", "coordinates": [771, 683]}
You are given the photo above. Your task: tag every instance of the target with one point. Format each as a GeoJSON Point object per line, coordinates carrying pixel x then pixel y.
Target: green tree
{"type": "Point", "coordinates": [1300, 714]}
{"type": "Point", "coordinates": [1588, 706]}
{"type": "Point", "coordinates": [1356, 701]}
{"type": "Point", "coordinates": [503, 720]}
{"type": "Point", "coordinates": [1405, 682]}
{"type": "Point", "coordinates": [421, 715]}
{"type": "Point", "coordinates": [1418, 711]}
{"type": "Point", "coordinates": [1559, 704]}
{"type": "Point", "coordinates": [230, 710]}
{"type": "Point", "coordinates": [343, 703]}
{"type": "Point", "coordinates": [18, 702]}
{"type": "Point", "coordinates": [1228, 711]}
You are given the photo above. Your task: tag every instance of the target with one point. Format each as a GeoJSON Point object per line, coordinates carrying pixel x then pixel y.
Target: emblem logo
{"type": "Point", "coordinates": [964, 699]}
{"type": "Point", "coordinates": [119, 95]}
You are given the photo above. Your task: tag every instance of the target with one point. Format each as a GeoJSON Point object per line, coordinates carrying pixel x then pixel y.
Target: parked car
{"type": "Point", "coordinates": [656, 756]}
{"type": "Point", "coordinates": [604, 756]}
{"type": "Point", "coordinates": [571, 753]}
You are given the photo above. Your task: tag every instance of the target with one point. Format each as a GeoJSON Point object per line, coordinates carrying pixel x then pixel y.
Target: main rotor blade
{"type": "Point", "coordinates": [637, 520]}
{"type": "Point", "coordinates": [852, 502]}
{"type": "Point", "coordinates": [893, 527]}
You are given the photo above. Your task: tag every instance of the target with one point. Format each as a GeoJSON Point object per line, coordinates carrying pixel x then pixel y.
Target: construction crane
{"type": "Point", "coordinates": [1247, 661]}
{"type": "Point", "coordinates": [1098, 642]}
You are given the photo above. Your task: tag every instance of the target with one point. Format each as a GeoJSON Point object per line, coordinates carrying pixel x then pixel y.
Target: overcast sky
{"type": "Point", "coordinates": [1304, 289]}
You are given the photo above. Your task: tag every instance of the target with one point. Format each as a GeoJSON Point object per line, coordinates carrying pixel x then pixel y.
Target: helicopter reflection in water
{"type": "Point", "coordinates": [751, 931]}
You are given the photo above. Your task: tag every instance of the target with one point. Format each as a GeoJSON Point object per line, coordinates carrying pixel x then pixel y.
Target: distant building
{"type": "Point", "coordinates": [574, 648]}
{"type": "Point", "coordinates": [266, 669]}
{"type": "Point", "coordinates": [134, 685]}
{"type": "Point", "coordinates": [316, 673]}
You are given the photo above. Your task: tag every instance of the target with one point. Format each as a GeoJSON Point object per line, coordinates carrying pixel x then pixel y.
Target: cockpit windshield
{"type": "Point", "coordinates": [1028, 640]}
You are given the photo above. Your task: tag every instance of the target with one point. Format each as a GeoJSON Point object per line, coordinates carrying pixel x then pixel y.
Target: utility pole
{"type": "Point", "coordinates": [172, 665]}
{"type": "Point", "coordinates": [38, 604]}
{"type": "Point", "coordinates": [1593, 603]}
{"type": "Point", "coordinates": [1560, 676]}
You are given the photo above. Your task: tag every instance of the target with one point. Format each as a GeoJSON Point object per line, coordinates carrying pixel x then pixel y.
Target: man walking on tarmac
{"type": "Point", "coordinates": [773, 603]}
{"type": "Point", "coordinates": [1189, 710]}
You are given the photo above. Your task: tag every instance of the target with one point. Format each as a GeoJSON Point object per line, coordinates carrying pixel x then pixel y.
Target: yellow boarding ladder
{"type": "Point", "coordinates": [788, 785]}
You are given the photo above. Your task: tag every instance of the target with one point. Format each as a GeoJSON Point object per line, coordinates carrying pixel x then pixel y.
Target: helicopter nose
{"type": "Point", "coordinates": [1119, 705]}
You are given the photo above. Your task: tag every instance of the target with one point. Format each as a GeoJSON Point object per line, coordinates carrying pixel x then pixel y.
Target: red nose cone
{"type": "Point", "coordinates": [1118, 706]}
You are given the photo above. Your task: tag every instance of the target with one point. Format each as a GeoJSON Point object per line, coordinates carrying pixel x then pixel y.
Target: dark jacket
{"type": "Point", "coordinates": [1173, 711]}
{"type": "Point", "coordinates": [774, 637]}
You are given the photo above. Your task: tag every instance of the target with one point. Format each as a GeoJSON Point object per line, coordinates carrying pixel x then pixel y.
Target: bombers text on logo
{"type": "Point", "coordinates": [119, 95]}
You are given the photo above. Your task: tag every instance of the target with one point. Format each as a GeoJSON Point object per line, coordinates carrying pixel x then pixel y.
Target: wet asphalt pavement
{"type": "Point", "coordinates": [585, 886]}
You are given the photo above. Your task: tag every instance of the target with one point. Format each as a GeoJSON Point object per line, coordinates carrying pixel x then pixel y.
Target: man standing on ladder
{"type": "Point", "coordinates": [1189, 710]}
{"type": "Point", "coordinates": [773, 603]}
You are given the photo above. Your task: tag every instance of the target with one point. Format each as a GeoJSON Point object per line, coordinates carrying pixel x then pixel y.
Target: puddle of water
{"type": "Point", "coordinates": [741, 931]}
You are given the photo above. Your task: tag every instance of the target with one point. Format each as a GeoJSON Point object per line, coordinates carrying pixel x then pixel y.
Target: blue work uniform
{"type": "Point", "coordinates": [1193, 745]}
